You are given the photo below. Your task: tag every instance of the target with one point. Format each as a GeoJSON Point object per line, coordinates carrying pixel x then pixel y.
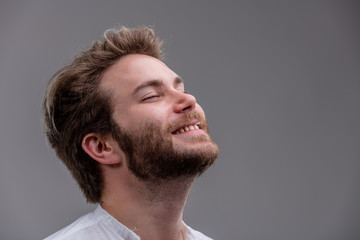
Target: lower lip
{"type": "Point", "coordinates": [197, 131]}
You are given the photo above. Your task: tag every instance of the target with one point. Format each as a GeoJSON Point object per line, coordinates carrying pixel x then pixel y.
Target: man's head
{"type": "Point", "coordinates": [150, 108]}
{"type": "Point", "coordinates": [120, 88]}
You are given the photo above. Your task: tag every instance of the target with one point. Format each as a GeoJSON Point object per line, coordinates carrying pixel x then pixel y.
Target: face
{"type": "Point", "coordinates": [160, 127]}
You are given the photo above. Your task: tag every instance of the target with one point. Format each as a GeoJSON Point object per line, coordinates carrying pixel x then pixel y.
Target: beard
{"type": "Point", "coordinates": [153, 154]}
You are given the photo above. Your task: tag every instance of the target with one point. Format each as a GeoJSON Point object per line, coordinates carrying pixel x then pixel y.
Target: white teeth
{"type": "Point", "coordinates": [189, 128]}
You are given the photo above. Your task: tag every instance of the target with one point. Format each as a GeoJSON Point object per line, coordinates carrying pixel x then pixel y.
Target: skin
{"type": "Point", "coordinates": [153, 211]}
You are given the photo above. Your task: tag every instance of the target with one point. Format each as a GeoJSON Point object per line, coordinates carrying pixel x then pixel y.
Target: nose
{"type": "Point", "coordinates": [184, 102]}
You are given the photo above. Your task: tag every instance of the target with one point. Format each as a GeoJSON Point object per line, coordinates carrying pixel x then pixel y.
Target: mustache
{"type": "Point", "coordinates": [191, 116]}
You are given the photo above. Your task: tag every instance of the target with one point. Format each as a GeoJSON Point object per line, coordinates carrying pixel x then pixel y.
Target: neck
{"type": "Point", "coordinates": [153, 210]}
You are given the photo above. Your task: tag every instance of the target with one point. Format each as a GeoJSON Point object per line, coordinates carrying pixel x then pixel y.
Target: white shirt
{"type": "Point", "coordinates": [100, 225]}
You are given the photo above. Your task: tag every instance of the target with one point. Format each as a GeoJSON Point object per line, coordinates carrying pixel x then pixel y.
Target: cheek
{"type": "Point", "coordinates": [199, 109]}
{"type": "Point", "coordinates": [122, 120]}
{"type": "Point", "coordinates": [149, 115]}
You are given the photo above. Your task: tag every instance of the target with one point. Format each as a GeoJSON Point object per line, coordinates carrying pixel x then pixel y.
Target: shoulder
{"type": "Point", "coordinates": [75, 230]}
{"type": "Point", "coordinates": [195, 235]}
{"type": "Point", "coordinates": [97, 225]}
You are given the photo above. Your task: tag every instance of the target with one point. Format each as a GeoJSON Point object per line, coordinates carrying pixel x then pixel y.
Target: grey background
{"type": "Point", "coordinates": [279, 81]}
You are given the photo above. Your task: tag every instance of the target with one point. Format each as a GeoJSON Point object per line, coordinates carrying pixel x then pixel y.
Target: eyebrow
{"type": "Point", "coordinates": [156, 83]}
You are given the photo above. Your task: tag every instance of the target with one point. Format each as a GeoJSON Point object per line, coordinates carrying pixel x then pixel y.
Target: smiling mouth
{"type": "Point", "coordinates": [188, 128]}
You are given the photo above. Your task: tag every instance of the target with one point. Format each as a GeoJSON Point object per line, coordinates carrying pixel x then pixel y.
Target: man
{"type": "Point", "coordinates": [131, 136]}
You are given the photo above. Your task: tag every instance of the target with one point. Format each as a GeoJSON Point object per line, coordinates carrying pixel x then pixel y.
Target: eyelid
{"type": "Point", "coordinates": [149, 96]}
{"type": "Point", "coordinates": [152, 94]}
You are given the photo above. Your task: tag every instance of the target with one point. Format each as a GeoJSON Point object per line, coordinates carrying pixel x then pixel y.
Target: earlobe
{"type": "Point", "coordinates": [101, 149]}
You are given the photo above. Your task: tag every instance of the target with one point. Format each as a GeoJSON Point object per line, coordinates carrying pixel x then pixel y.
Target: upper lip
{"type": "Point", "coordinates": [193, 122]}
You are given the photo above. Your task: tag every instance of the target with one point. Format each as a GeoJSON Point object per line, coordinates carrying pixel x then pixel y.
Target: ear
{"type": "Point", "coordinates": [102, 149]}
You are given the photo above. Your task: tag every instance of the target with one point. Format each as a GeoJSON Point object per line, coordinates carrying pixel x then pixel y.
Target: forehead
{"type": "Point", "coordinates": [132, 70]}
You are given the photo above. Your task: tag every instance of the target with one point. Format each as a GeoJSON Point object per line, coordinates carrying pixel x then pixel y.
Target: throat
{"type": "Point", "coordinates": [167, 192]}
{"type": "Point", "coordinates": [153, 208]}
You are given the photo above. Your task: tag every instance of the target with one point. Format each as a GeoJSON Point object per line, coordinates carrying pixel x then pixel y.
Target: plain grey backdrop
{"type": "Point", "coordinates": [279, 81]}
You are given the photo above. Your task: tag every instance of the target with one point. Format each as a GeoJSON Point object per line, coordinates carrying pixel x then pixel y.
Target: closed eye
{"type": "Point", "coordinates": [152, 97]}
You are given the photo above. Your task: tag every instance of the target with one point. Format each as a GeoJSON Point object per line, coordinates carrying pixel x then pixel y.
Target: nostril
{"type": "Point", "coordinates": [183, 102]}
{"type": "Point", "coordinates": [188, 108]}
